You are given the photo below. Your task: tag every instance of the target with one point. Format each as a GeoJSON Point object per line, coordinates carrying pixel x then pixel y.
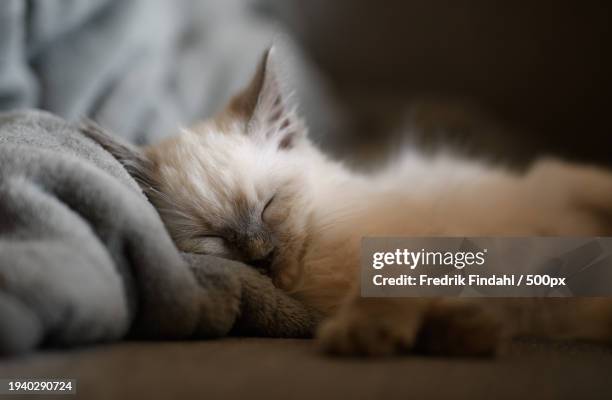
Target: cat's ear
{"type": "Point", "coordinates": [267, 106]}
{"type": "Point", "coordinates": [133, 159]}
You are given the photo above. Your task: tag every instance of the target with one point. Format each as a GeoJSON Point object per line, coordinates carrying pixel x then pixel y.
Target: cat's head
{"type": "Point", "coordinates": [241, 184]}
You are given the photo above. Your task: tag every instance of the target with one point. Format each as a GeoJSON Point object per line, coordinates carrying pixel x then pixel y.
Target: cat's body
{"type": "Point", "coordinates": [249, 185]}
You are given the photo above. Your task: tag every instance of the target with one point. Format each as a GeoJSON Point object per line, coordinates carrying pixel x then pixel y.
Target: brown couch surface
{"type": "Point", "coordinates": [253, 368]}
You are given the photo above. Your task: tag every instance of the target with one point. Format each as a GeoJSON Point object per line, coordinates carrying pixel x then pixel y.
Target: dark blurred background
{"type": "Point", "coordinates": [506, 78]}
{"type": "Point", "coordinates": [503, 79]}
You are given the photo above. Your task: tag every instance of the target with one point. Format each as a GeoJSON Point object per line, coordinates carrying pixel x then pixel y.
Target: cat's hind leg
{"type": "Point", "coordinates": [580, 196]}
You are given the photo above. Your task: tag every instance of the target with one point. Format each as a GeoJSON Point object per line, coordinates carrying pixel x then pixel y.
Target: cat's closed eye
{"type": "Point", "coordinates": [211, 244]}
{"type": "Point", "coordinates": [266, 208]}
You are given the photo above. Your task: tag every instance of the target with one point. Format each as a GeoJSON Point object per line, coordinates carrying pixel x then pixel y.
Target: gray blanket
{"type": "Point", "coordinates": [83, 256]}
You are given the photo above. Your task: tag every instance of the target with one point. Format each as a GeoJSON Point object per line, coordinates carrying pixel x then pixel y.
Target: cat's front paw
{"type": "Point", "coordinates": [456, 328]}
{"type": "Point", "coordinates": [356, 332]}
{"type": "Point", "coordinates": [448, 328]}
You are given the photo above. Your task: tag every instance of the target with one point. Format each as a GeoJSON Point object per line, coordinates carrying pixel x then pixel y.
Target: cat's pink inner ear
{"type": "Point", "coordinates": [270, 106]}
{"type": "Point", "coordinates": [274, 115]}
{"type": "Point", "coordinates": [265, 107]}
{"type": "Point", "coordinates": [244, 103]}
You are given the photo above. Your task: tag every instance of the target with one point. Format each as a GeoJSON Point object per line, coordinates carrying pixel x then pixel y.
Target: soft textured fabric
{"type": "Point", "coordinates": [84, 257]}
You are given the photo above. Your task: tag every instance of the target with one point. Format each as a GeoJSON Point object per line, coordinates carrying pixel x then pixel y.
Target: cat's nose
{"type": "Point", "coordinates": [257, 247]}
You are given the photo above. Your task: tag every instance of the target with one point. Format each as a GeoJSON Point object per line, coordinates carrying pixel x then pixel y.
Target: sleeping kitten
{"type": "Point", "coordinates": [249, 185]}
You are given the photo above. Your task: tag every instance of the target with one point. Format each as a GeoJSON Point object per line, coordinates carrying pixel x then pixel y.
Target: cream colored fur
{"type": "Point", "coordinates": [250, 185]}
